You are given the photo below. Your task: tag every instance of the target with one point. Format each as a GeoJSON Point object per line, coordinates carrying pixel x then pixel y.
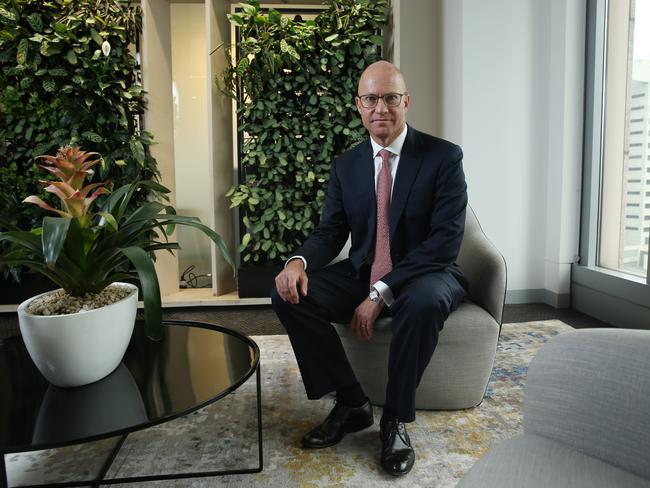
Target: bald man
{"type": "Point", "coordinates": [401, 195]}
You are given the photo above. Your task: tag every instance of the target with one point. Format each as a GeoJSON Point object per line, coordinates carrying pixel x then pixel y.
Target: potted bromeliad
{"type": "Point", "coordinates": [78, 334]}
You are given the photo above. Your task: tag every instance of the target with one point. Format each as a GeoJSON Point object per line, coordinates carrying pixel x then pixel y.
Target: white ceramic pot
{"type": "Point", "coordinates": [81, 348]}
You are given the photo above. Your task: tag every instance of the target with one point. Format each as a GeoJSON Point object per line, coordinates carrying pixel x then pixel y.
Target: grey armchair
{"type": "Point", "coordinates": [586, 422]}
{"type": "Point", "coordinates": [458, 373]}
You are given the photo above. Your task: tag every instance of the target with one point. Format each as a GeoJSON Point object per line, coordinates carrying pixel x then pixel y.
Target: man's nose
{"type": "Point", "coordinates": [381, 106]}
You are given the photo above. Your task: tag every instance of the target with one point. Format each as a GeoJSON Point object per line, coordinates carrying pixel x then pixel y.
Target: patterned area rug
{"type": "Point", "coordinates": [223, 435]}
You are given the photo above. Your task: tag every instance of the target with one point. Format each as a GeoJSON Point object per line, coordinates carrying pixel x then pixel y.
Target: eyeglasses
{"type": "Point", "coordinates": [390, 100]}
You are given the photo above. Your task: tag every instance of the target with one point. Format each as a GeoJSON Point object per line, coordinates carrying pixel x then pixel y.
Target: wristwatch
{"type": "Point", "coordinates": [375, 297]}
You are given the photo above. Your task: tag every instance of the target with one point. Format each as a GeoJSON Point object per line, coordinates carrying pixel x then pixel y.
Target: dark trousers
{"type": "Point", "coordinates": [418, 314]}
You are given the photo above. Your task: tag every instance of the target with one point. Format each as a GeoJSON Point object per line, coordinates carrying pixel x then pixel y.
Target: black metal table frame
{"type": "Point", "coordinates": [99, 479]}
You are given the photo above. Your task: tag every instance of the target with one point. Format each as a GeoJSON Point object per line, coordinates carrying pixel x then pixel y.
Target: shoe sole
{"type": "Point", "coordinates": [345, 432]}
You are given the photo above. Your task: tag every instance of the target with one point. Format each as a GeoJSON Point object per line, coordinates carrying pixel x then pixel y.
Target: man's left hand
{"type": "Point", "coordinates": [363, 320]}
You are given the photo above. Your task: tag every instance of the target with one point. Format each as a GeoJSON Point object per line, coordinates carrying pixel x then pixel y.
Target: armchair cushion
{"type": "Point", "coordinates": [533, 461]}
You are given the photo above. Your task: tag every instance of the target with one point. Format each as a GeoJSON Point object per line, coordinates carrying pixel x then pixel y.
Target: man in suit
{"type": "Point", "coordinates": [401, 195]}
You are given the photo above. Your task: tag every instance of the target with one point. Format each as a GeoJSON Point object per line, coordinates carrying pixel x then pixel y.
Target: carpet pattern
{"type": "Point", "coordinates": [223, 435]}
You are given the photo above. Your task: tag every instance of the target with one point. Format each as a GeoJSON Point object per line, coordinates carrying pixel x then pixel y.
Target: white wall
{"type": "Point", "coordinates": [193, 190]}
{"type": "Point", "coordinates": [156, 77]}
{"type": "Point", "coordinates": [505, 129]}
{"type": "Point", "coordinates": [510, 87]}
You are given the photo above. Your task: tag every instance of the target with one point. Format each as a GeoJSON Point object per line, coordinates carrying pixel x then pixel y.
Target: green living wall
{"type": "Point", "coordinates": [295, 83]}
{"type": "Point", "coordinates": [68, 75]}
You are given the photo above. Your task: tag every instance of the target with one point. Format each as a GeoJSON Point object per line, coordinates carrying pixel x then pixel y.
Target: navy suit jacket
{"type": "Point", "coordinates": [427, 212]}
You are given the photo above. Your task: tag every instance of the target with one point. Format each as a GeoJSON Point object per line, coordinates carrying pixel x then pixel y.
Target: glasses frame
{"type": "Point", "coordinates": [382, 98]}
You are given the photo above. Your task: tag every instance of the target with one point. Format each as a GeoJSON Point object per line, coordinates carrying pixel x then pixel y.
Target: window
{"type": "Point", "coordinates": [627, 88]}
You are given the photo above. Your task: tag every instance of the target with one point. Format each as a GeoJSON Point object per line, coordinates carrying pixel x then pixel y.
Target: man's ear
{"type": "Point", "coordinates": [357, 102]}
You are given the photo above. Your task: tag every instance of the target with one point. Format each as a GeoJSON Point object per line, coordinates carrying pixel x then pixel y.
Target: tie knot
{"type": "Point", "coordinates": [385, 156]}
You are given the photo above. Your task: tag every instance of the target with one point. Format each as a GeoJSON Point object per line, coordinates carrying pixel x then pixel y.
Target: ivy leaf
{"type": "Point", "coordinates": [23, 49]}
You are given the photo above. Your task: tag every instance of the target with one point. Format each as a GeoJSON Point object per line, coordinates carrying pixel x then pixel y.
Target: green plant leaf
{"type": "Point", "coordinates": [49, 85]}
{"type": "Point", "coordinates": [23, 49]}
{"type": "Point", "coordinates": [96, 37]}
{"type": "Point", "coordinates": [137, 149]}
{"type": "Point", "coordinates": [109, 219]}
{"type": "Point", "coordinates": [249, 9]}
{"type": "Point", "coordinates": [150, 290]}
{"type": "Point", "coordinates": [55, 231]}
{"type": "Point", "coordinates": [35, 22]}
{"type": "Point", "coordinates": [92, 136]}
{"type": "Point", "coordinates": [8, 14]}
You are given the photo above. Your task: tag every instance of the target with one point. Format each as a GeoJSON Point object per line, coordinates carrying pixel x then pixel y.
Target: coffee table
{"type": "Point", "coordinates": [194, 365]}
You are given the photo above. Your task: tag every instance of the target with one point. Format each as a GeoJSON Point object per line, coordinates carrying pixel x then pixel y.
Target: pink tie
{"type": "Point", "coordinates": [382, 263]}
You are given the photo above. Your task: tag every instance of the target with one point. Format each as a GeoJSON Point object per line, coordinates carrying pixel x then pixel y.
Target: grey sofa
{"type": "Point", "coordinates": [459, 371]}
{"type": "Point", "coordinates": [586, 417]}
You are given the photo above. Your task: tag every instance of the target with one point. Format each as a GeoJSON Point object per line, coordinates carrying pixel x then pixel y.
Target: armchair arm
{"type": "Point", "coordinates": [484, 267]}
{"type": "Point", "coordinates": [590, 389]}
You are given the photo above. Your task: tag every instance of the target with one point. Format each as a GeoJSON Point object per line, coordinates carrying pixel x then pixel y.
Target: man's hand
{"type": "Point", "coordinates": [290, 280]}
{"type": "Point", "coordinates": [363, 320]}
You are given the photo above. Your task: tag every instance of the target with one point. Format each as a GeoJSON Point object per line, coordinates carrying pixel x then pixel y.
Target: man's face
{"type": "Point", "coordinates": [384, 123]}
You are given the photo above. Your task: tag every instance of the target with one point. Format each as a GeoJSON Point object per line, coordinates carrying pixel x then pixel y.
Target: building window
{"type": "Point", "coordinates": [626, 92]}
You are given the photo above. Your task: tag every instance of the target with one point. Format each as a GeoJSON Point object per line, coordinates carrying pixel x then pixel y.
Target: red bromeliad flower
{"type": "Point", "coordinates": [71, 166]}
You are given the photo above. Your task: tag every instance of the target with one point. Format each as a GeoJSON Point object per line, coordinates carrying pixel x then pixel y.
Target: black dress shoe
{"type": "Point", "coordinates": [341, 420]}
{"type": "Point", "coordinates": [397, 455]}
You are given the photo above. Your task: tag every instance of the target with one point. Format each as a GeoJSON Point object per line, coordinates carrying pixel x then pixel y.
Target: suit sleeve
{"type": "Point", "coordinates": [329, 237]}
{"type": "Point", "coordinates": [447, 224]}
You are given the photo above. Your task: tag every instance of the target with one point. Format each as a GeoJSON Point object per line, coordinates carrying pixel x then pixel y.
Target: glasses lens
{"type": "Point", "coordinates": [369, 101]}
{"type": "Point", "coordinates": [392, 99]}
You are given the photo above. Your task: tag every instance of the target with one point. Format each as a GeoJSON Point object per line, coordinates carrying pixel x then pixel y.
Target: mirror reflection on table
{"type": "Point", "coordinates": [111, 404]}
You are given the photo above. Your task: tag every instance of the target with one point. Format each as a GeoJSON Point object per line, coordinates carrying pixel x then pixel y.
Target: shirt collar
{"type": "Point", "coordinates": [395, 147]}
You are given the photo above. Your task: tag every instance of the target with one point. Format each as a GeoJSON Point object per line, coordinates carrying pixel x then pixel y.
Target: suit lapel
{"type": "Point", "coordinates": [407, 170]}
{"type": "Point", "coordinates": [367, 179]}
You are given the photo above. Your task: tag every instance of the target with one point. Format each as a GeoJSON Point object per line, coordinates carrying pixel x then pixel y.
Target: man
{"type": "Point", "coordinates": [402, 197]}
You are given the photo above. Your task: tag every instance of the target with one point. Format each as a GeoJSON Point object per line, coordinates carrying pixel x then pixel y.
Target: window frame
{"type": "Point", "coordinates": [619, 298]}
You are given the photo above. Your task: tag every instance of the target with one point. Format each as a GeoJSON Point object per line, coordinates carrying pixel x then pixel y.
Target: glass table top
{"type": "Point", "coordinates": [192, 366]}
